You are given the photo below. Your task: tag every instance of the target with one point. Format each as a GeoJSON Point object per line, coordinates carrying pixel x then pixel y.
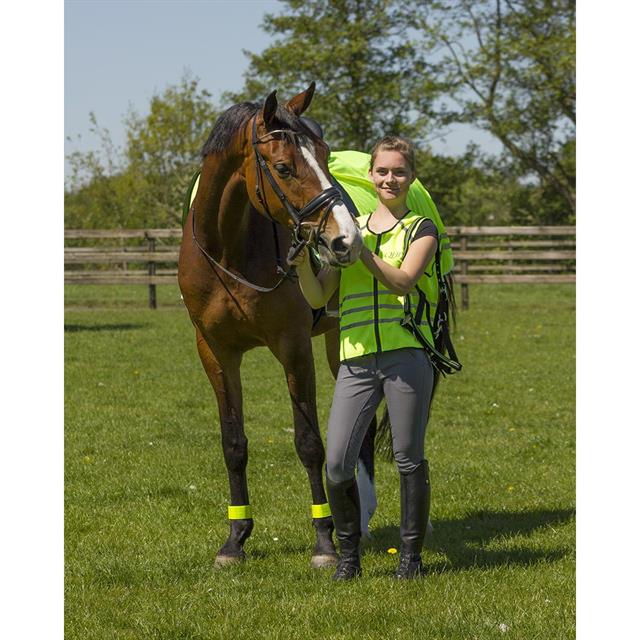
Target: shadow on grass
{"type": "Point", "coordinates": [463, 541]}
{"type": "Point", "coordinates": [124, 326]}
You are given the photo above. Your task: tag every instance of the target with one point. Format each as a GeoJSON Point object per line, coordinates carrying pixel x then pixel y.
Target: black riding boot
{"type": "Point", "coordinates": [345, 508]}
{"type": "Point", "coordinates": [415, 498]}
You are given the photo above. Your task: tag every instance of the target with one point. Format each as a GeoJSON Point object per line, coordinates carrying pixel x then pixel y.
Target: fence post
{"type": "Point", "coordinates": [464, 287]}
{"type": "Point", "coordinates": [151, 247]}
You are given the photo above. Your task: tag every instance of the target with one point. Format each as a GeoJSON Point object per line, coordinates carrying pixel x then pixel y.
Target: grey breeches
{"type": "Point", "coordinates": [404, 378]}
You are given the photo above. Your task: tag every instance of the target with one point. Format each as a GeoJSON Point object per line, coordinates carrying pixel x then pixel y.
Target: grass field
{"type": "Point", "coordinates": [146, 488]}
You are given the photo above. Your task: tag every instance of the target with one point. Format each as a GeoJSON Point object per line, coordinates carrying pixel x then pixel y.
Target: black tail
{"type": "Point", "coordinates": [366, 456]}
{"type": "Point", "coordinates": [383, 445]}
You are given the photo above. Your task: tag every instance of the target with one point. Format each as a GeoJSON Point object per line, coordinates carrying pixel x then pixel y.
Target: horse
{"type": "Point", "coordinates": [264, 181]}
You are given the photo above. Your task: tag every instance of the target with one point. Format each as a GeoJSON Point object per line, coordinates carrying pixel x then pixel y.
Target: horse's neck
{"type": "Point", "coordinates": [221, 207]}
{"type": "Point", "coordinates": [229, 227]}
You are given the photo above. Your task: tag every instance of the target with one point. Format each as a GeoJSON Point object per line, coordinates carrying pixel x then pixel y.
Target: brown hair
{"type": "Point", "coordinates": [395, 143]}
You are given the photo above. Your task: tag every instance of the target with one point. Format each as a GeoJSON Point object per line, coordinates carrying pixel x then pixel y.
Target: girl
{"type": "Point", "coordinates": [379, 357]}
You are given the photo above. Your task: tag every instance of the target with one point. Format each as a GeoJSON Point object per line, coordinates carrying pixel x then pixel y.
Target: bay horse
{"type": "Point", "coordinates": [261, 166]}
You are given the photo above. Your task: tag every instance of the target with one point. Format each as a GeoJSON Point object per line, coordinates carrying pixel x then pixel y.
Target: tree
{"type": "Point", "coordinates": [144, 184]}
{"type": "Point", "coordinates": [474, 189]}
{"type": "Point", "coordinates": [98, 191]}
{"type": "Point", "coordinates": [164, 146]}
{"type": "Point", "coordinates": [360, 56]}
{"type": "Point", "coordinates": [510, 68]}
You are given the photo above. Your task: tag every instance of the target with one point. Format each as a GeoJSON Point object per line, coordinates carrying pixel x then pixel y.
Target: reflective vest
{"type": "Point", "coordinates": [370, 314]}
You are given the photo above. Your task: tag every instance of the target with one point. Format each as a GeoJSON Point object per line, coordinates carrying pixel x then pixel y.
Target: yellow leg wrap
{"type": "Point", "coordinates": [239, 513]}
{"type": "Point", "coordinates": [320, 510]}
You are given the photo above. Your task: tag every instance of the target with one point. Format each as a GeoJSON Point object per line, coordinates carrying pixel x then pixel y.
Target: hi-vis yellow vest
{"type": "Point", "coordinates": [370, 314]}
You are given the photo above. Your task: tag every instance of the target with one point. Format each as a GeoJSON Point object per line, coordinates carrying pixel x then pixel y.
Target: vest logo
{"type": "Point", "coordinates": [393, 254]}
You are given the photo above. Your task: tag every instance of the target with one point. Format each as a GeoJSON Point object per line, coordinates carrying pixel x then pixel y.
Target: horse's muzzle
{"type": "Point", "coordinates": [339, 252]}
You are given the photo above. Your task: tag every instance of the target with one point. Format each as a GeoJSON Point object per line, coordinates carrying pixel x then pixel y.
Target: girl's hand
{"type": "Point", "coordinates": [301, 259]}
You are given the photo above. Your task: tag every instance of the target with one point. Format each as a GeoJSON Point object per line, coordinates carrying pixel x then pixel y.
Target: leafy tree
{"type": "Point", "coordinates": [510, 68]}
{"type": "Point", "coordinates": [164, 146]}
{"type": "Point", "coordinates": [144, 184]}
{"type": "Point", "coordinates": [96, 190]}
{"type": "Point", "coordinates": [472, 189]}
{"type": "Point", "coordinates": [360, 56]}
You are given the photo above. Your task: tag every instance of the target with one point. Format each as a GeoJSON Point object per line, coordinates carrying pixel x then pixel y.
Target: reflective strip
{"type": "Point", "coordinates": [241, 512]}
{"type": "Point", "coordinates": [371, 321]}
{"type": "Point", "coordinates": [381, 320]}
{"type": "Point", "coordinates": [364, 295]}
{"type": "Point", "coordinates": [320, 510]}
{"type": "Point", "coordinates": [370, 307]}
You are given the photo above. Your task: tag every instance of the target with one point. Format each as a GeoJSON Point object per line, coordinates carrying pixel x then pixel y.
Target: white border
{"type": "Point", "coordinates": [31, 36]}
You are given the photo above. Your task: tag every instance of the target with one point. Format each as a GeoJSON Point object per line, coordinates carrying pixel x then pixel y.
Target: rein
{"type": "Point", "coordinates": [327, 198]}
{"type": "Point", "coordinates": [236, 277]}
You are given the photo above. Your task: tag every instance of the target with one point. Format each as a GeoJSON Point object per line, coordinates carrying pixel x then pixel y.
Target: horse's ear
{"type": "Point", "coordinates": [300, 103]}
{"type": "Point", "coordinates": [269, 108]}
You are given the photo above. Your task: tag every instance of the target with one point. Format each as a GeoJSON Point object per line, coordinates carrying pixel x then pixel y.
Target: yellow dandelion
{"type": "Point", "coordinates": [392, 550]}
{"type": "Point", "coordinates": [509, 488]}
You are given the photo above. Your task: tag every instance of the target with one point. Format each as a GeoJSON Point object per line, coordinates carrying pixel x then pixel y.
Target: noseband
{"type": "Point", "coordinates": [326, 199]}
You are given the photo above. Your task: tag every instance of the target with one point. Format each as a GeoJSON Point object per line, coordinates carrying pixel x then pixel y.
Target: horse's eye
{"type": "Point", "coordinates": [283, 170]}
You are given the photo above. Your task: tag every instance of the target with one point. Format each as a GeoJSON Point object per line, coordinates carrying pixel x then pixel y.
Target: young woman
{"type": "Point", "coordinates": [380, 358]}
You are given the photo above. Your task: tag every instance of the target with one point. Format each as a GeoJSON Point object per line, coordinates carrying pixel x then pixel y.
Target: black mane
{"type": "Point", "coordinates": [227, 126]}
{"type": "Point", "coordinates": [237, 116]}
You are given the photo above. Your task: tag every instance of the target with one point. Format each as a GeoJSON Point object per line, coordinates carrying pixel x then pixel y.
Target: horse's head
{"type": "Point", "coordinates": [288, 180]}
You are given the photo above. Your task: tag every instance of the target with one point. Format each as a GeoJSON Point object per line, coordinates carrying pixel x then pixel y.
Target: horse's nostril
{"type": "Point", "coordinates": [338, 247]}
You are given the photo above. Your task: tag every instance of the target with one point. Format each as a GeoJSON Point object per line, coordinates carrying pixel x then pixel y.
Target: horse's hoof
{"type": "Point", "coordinates": [227, 561]}
{"type": "Point", "coordinates": [324, 560]}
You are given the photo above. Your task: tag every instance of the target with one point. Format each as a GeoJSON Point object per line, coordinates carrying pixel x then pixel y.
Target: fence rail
{"type": "Point", "coordinates": [483, 255]}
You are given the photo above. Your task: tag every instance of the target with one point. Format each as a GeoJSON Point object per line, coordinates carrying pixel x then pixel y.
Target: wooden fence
{"type": "Point", "coordinates": [483, 255]}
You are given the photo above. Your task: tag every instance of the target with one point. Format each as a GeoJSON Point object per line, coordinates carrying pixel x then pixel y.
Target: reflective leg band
{"type": "Point", "coordinates": [320, 510]}
{"type": "Point", "coordinates": [240, 513]}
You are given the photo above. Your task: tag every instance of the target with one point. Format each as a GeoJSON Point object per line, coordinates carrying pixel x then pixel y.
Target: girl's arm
{"type": "Point", "coordinates": [316, 289]}
{"type": "Point", "coordinates": [401, 280]}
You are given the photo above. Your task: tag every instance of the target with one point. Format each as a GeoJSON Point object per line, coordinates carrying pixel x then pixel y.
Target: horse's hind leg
{"type": "Point", "coordinates": [365, 474]}
{"type": "Point", "coordinates": [296, 356]}
{"type": "Point", "coordinates": [223, 372]}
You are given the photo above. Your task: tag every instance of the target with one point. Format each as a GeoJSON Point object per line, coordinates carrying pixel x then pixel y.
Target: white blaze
{"type": "Point", "coordinates": [341, 214]}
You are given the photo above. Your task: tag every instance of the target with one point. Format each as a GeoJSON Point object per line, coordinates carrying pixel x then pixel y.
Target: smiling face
{"type": "Point", "coordinates": [392, 176]}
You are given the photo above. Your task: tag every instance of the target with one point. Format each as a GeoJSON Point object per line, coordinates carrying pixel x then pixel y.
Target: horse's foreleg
{"type": "Point", "coordinates": [365, 470]}
{"type": "Point", "coordinates": [223, 372]}
{"type": "Point", "coordinates": [296, 356]}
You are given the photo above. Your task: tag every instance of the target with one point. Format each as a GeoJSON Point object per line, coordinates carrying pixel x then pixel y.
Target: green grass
{"type": "Point", "coordinates": [146, 488]}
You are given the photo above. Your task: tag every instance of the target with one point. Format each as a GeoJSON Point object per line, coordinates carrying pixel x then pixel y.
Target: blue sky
{"type": "Point", "coordinates": [119, 53]}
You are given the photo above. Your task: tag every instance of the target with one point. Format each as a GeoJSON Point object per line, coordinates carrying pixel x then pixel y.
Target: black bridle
{"type": "Point", "coordinates": [328, 198]}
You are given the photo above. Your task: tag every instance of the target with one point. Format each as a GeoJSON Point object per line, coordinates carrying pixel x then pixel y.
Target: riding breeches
{"type": "Point", "coordinates": [404, 378]}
